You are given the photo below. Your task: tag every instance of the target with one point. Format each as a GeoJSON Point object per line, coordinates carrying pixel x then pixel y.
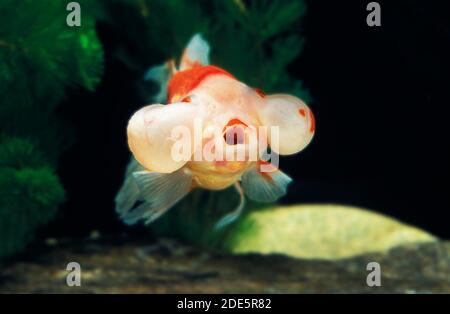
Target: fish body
{"type": "Point", "coordinates": [225, 100]}
{"type": "Point", "coordinates": [213, 133]}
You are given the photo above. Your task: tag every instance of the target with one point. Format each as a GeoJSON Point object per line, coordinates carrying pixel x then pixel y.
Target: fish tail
{"type": "Point", "coordinates": [195, 54]}
{"type": "Point", "coordinates": [161, 75]}
{"type": "Point", "coordinates": [128, 193]}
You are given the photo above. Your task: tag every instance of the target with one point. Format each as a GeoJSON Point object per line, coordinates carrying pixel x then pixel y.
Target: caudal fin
{"type": "Point", "coordinates": [195, 54]}
{"type": "Point", "coordinates": [161, 75]}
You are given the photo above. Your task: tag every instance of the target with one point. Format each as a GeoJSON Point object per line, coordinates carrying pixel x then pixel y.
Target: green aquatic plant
{"type": "Point", "coordinates": [30, 193]}
{"type": "Point", "coordinates": [41, 58]}
{"type": "Point", "coordinates": [254, 40]}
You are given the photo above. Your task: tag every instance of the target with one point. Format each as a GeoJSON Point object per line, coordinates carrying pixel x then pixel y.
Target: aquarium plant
{"type": "Point", "coordinates": [41, 60]}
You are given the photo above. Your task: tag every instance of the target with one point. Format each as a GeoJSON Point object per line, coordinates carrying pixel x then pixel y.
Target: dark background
{"type": "Point", "coordinates": [380, 97]}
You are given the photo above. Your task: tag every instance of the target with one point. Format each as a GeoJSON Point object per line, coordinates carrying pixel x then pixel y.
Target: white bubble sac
{"type": "Point", "coordinates": [295, 122]}
{"type": "Point", "coordinates": [151, 134]}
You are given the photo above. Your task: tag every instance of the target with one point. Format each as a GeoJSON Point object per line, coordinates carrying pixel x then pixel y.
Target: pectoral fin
{"type": "Point", "coordinates": [159, 192]}
{"type": "Point", "coordinates": [265, 186]}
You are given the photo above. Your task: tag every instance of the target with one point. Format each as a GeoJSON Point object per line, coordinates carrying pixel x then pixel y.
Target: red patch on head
{"type": "Point", "coordinates": [186, 99]}
{"type": "Point", "coordinates": [260, 92]}
{"type": "Point", "coordinates": [302, 112]}
{"type": "Point", "coordinates": [190, 64]}
{"type": "Point", "coordinates": [234, 122]}
{"type": "Point", "coordinates": [184, 82]}
{"type": "Point", "coordinates": [313, 122]}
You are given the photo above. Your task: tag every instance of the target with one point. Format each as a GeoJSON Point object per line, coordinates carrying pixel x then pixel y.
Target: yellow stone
{"type": "Point", "coordinates": [321, 231]}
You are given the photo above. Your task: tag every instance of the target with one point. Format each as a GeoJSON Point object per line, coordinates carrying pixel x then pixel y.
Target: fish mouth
{"type": "Point", "coordinates": [218, 167]}
{"type": "Point", "coordinates": [211, 176]}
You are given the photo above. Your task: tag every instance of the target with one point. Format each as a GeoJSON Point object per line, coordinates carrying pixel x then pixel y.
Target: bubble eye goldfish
{"type": "Point", "coordinates": [236, 124]}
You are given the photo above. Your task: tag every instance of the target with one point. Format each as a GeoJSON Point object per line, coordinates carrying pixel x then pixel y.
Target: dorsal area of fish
{"type": "Point", "coordinates": [183, 82]}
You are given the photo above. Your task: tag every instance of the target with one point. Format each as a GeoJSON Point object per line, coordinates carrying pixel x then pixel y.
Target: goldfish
{"type": "Point", "coordinates": [214, 132]}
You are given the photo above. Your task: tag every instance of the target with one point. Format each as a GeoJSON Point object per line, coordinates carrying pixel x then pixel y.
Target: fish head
{"type": "Point", "coordinates": [228, 124]}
